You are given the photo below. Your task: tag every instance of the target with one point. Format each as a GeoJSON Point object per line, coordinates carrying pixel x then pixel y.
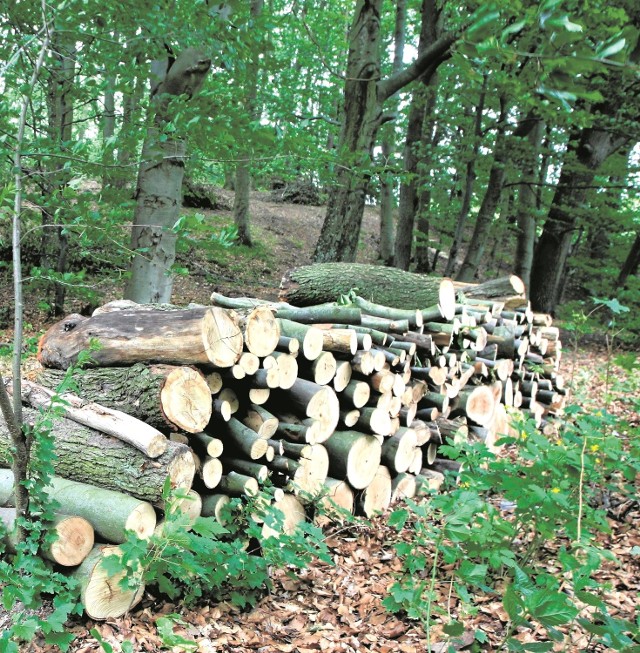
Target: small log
{"type": "Point", "coordinates": [398, 450]}
{"type": "Point", "coordinates": [323, 313]}
{"type": "Point", "coordinates": [375, 420]}
{"type": "Point", "coordinates": [337, 500]}
{"type": "Point", "coordinates": [310, 337]}
{"type": "Point", "coordinates": [74, 538]}
{"type": "Point", "coordinates": [210, 471]}
{"type": "Point", "coordinates": [478, 404]}
{"type": "Point", "coordinates": [353, 456]}
{"type": "Point", "coordinates": [88, 456]}
{"type": "Point", "coordinates": [259, 328]}
{"type": "Point", "coordinates": [356, 394]}
{"type": "Point", "coordinates": [428, 481]}
{"type": "Point", "coordinates": [236, 485]}
{"type": "Point", "coordinates": [306, 474]}
{"type": "Point", "coordinates": [342, 375]}
{"type": "Point", "coordinates": [201, 336]}
{"type": "Point", "coordinates": [292, 512]}
{"type": "Point", "coordinates": [317, 402]}
{"type": "Point", "coordinates": [213, 505]}
{"type": "Point", "coordinates": [414, 317]}
{"type": "Point", "coordinates": [261, 421]}
{"type": "Point", "coordinates": [205, 444]}
{"type": "Point", "coordinates": [349, 418]}
{"type": "Point", "coordinates": [492, 289]}
{"type": "Point", "coordinates": [102, 595]}
{"type": "Point", "coordinates": [403, 486]}
{"type": "Point", "coordinates": [163, 396]}
{"type": "Point", "coordinates": [343, 341]}
{"type": "Point", "coordinates": [238, 437]}
{"type": "Point", "coordinates": [247, 467]}
{"type": "Point", "coordinates": [112, 422]}
{"type": "Point", "coordinates": [249, 362]}
{"type": "Point", "coordinates": [287, 369]}
{"type": "Point", "coordinates": [288, 345]}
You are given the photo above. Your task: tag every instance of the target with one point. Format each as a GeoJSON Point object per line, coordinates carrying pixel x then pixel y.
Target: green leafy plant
{"type": "Point", "coordinates": [493, 529]}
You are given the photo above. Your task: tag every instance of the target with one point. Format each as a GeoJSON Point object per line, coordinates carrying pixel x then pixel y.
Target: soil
{"type": "Point", "coordinates": [324, 608]}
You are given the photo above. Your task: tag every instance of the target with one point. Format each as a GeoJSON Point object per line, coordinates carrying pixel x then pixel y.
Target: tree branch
{"type": "Point", "coordinates": [437, 52]}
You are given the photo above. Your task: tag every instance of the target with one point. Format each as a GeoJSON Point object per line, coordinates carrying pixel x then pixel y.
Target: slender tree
{"type": "Point", "coordinates": [159, 186]}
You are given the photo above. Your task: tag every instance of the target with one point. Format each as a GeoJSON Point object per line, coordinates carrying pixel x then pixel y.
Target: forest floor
{"type": "Point", "coordinates": [335, 607]}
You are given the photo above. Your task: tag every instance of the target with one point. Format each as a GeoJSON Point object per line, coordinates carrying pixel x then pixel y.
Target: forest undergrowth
{"type": "Point", "coordinates": [536, 550]}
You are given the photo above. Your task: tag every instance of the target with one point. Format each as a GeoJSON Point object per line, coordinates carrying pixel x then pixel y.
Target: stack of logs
{"type": "Point", "coordinates": [338, 404]}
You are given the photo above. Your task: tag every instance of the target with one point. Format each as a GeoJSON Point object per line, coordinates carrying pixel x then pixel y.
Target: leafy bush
{"type": "Point", "coordinates": [494, 525]}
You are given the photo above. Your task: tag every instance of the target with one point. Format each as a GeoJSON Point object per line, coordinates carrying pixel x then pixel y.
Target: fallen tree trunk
{"type": "Point", "coordinates": [200, 336]}
{"type": "Point", "coordinates": [88, 456]}
{"type": "Point", "coordinates": [324, 282]}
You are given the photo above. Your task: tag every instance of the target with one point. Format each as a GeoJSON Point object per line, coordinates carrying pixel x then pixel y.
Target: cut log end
{"type": "Point", "coordinates": [221, 337]}
{"type": "Point", "coordinates": [186, 399]}
{"type": "Point", "coordinates": [75, 541]}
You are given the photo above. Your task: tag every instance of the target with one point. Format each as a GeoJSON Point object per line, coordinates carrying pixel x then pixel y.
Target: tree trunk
{"type": "Point", "coordinates": [108, 130]}
{"type": "Point", "coordinates": [470, 179]}
{"type": "Point", "coordinates": [388, 146]}
{"type": "Point", "coordinates": [60, 119]}
{"type": "Point", "coordinates": [422, 105]}
{"type": "Point", "coordinates": [364, 96]}
{"type": "Point", "coordinates": [159, 188]}
{"type": "Point", "coordinates": [341, 228]}
{"type": "Point", "coordinates": [631, 263]}
{"type": "Point", "coordinates": [586, 152]}
{"type": "Point", "coordinates": [241, 216]}
{"type": "Point", "coordinates": [486, 213]}
{"type": "Point", "coordinates": [313, 284]}
{"type": "Point", "coordinates": [527, 197]}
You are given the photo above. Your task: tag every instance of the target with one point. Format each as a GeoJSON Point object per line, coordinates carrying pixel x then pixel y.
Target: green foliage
{"type": "Point", "coordinates": [491, 528]}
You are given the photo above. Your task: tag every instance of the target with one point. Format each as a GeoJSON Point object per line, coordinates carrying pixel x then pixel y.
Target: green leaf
{"type": "Point", "coordinates": [165, 626]}
{"type": "Point", "coordinates": [538, 646]}
{"type": "Point", "coordinates": [604, 51]}
{"type": "Point", "coordinates": [398, 518]}
{"type": "Point", "coordinates": [454, 628]}
{"type": "Point", "coordinates": [551, 609]}
{"type": "Point", "coordinates": [105, 645]}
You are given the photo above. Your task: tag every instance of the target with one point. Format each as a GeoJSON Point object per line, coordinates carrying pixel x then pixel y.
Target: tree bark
{"type": "Point", "coordinates": [199, 336]}
{"type": "Point", "coordinates": [313, 284]}
{"type": "Point", "coordinates": [470, 178]}
{"type": "Point", "coordinates": [422, 106]}
{"type": "Point", "coordinates": [159, 188]}
{"type": "Point", "coordinates": [388, 146]}
{"type": "Point", "coordinates": [631, 263]}
{"type": "Point", "coordinates": [586, 152]}
{"type": "Point", "coordinates": [364, 96]}
{"type": "Point", "coordinates": [242, 187]}
{"type": "Point", "coordinates": [527, 198]}
{"type": "Point", "coordinates": [163, 396]}
{"type": "Point", "coordinates": [88, 456]}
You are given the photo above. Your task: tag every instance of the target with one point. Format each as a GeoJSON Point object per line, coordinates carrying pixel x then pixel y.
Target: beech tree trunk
{"type": "Point", "coordinates": [242, 186]}
{"type": "Point", "coordinates": [630, 266]}
{"type": "Point", "coordinates": [422, 105]}
{"type": "Point", "coordinates": [586, 152]}
{"type": "Point", "coordinates": [388, 147]}
{"type": "Point", "coordinates": [159, 188]}
{"type": "Point", "coordinates": [470, 178]}
{"type": "Point", "coordinates": [527, 198]}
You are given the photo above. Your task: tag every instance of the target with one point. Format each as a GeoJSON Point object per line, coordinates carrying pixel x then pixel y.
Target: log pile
{"type": "Point", "coordinates": [339, 405]}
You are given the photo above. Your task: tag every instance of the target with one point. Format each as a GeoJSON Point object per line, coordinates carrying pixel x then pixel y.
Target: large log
{"type": "Point", "coordinates": [200, 336]}
{"type": "Point", "coordinates": [353, 456]}
{"type": "Point", "coordinates": [88, 456]}
{"type": "Point", "coordinates": [111, 514]}
{"type": "Point", "coordinates": [324, 282]}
